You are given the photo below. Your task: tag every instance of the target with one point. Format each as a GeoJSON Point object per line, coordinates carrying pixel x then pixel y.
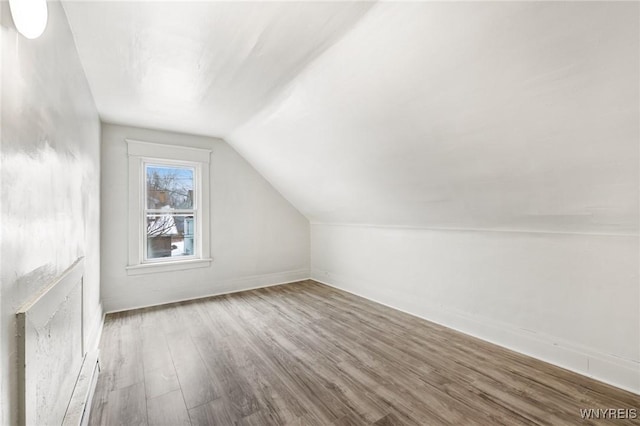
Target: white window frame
{"type": "Point", "coordinates": [140, 154]}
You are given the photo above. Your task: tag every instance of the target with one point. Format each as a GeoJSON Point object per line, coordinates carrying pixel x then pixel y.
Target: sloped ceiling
{"type": "Point", "coordinates": [198, 67]}
{"type": "Point", "coordinates": [496, 115]}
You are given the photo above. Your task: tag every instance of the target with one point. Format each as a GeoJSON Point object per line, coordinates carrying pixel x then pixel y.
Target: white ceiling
{"type": "Point", "coordinates": [198, 67]}
{"type": "Point", "coordinates": [496, 115]}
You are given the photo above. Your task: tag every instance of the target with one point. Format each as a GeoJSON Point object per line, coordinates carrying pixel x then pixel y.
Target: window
{"type": "Point", "coordinates": [171, 211]}
{"type": "Point", "coordinates": [168, 207]}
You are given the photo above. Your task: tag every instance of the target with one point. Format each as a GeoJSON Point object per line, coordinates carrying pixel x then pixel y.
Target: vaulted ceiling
{"type": "Point", "coordinates": [483, 115]}
{"type": "Point", "coordinates": [198, 67]}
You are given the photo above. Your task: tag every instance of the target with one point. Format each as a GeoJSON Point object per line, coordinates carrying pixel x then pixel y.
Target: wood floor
{"type": "Point", "coordinates": [308, 354]}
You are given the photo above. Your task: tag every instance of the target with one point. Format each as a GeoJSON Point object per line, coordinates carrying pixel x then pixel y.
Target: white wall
{"type": "Point", "coordinates": [257, 237]}
{"type": "Point", "coordinates": [570, 299]}
{"type": "Point", "coordinates": [50, 174]}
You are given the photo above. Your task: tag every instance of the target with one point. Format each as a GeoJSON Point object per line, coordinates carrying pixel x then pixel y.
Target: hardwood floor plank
{"type": "Point", "coordinates": [196, 383]}
{"type": "Point", "coordinates": [388, 420]}
{"type": "Point", "coordinates": [447, 358]}
{"type": "Point", "coordinates": [350, 420]}
{"type": "Point", "coordinates": [412, 370]}
{"type": "Point", "coordinates": [304, 381]}
{"type": "Point", "coordinates": [161, 381]}
{"type": "Point", "coordinates": [440, 402]}
{"type": "Point", "coordinates": [260, 372]}
{"type": "Point", "coordinates": [530, 368]}
{"type": "Point", "coordinates": [168, 410]}
{"type": "Point", "coordinates": [155, 351]}
{"type": "Point", "coordinates": [123, 407]}
{"type": "Point", "coordinates": [218, 412]}
{"type": "Point", "coordinates": [309, 354]}
{"type": "Point", "coordinates": [218, 352]}
{"type": "Point", "coordinates": [121, 358]}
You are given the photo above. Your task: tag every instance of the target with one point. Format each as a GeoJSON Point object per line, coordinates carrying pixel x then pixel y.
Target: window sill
{"type": "Point", "coordinates": [180, 265]}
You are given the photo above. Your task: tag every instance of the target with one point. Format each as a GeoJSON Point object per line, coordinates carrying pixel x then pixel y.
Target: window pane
{"type": "Point", "coordinates": [169, 187]}
{"type": "Point", "coordinates": [170, 235]}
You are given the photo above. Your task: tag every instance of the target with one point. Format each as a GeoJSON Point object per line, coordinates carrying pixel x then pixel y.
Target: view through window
{"type": "Point", "coordinates": [170, 211]}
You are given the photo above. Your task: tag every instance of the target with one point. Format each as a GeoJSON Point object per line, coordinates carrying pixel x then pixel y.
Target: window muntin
{"type": "Point", "coordinates": [170, 214]}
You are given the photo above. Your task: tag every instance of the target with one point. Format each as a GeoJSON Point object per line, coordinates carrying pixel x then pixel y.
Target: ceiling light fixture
{"type": "Point", "coordinates": [30, 16]}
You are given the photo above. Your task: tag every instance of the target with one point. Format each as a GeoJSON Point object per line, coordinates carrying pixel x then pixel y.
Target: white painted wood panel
{"type": "Point", "coordinates": [50, 348]}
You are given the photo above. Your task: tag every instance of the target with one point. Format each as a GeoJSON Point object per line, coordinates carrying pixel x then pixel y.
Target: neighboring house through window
{"type": "Point", "coordinates": [168, 207]}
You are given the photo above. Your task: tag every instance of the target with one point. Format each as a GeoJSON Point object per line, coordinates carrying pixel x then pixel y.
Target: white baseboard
{"type": "Point", "coordinates": [262, 280]}
{"type": "Point", "coordinates": [622, 373]}
{"type": "Point", "coordinates": [236, 285]}
{"type": "Point", "coordinates": [79, 408]}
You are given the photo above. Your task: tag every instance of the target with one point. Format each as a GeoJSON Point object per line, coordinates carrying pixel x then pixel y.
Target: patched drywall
{"type": "Point", "coordinates": [50, 174]}
{"type": "Point", "coordinates": [573, 300]}
{"type": "Point", "coordinates": [257, 237]}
